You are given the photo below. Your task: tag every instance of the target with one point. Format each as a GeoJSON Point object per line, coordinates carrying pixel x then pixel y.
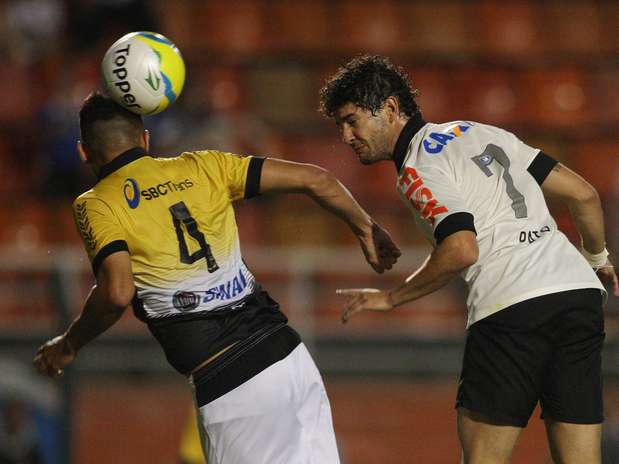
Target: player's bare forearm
{"type": "Point", "coordinates": [583, 202]}
{"type": "Point", "coordinates": [447, 261]}
{"type": "Point", "coordinates": [453, 255]}
{"type": "Point", "coordinates": [589, 221]}
{"type": "Point", "coordinates": [279, 176]}
{"type": "Point", "coordinates": [97, 316]}
{"type": "Point", "coordinates": [331, 195]}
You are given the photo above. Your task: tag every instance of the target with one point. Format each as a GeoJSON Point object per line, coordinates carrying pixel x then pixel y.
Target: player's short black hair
{"type": "Point", "coordinates": [105, 125]}
{"type": "Point", "coordinates": [367, 81]}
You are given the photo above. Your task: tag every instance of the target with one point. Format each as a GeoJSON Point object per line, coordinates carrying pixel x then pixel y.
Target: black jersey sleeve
{"type": "Point", "coordinates": [541, 166]}
{"type": "Point", "coordinates": [254, 171]}
{"type": "Point", "coordinates": [454, 223]}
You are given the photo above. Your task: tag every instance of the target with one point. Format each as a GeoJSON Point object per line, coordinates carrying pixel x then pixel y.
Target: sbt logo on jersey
{"type": "Point", "coordinates": [438, 140]}
{"type": "Point", "coordinates": [420, 196]}
{"type": "Point", "coordinates": [132, 193]}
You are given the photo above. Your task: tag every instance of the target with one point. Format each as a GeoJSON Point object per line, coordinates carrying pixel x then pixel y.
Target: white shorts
{"type": "Point", "coordinates": [280, 416]}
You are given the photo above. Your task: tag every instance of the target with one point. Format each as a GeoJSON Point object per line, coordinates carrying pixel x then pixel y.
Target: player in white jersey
{"type": "Point", "coordinates": [535, 321]}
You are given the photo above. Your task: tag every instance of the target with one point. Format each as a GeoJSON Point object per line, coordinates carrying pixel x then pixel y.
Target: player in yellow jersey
{"type": "Point", "coordinates": [162, 239]}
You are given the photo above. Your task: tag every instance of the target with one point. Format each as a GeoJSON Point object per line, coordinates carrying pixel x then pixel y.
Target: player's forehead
{"type": "Point", "coordinates": [347, 111]}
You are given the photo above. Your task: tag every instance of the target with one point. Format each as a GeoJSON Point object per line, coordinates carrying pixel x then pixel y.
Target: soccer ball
{"type": "Point", "coordinates": [144, 72]}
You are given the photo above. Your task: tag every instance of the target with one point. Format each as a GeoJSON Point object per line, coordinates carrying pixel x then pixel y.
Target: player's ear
{"type": "Point", "coordinates": [145, 139]}
{"type": "Point", "coordinates": [82, 152]}
{"type": "Point", "coordinates": [391, 108]}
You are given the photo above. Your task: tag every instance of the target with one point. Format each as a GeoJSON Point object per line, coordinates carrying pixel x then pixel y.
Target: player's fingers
{"type": "Point", "coordinates": [348, 291]}
{"type": "Point", "coordinates": [355, 305]}
{"type": "Point", "coordinates": [352, 309]}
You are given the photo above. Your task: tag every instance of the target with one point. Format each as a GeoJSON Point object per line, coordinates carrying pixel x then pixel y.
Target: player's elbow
{"type": "Point", "coordinates": [318, 180]}
{"type": "Point", "coordinates": [119, 295]}
{"type": "Point", "coordinates": [461, 249]}
{"type": "Point", "coordinates": [585, 193]}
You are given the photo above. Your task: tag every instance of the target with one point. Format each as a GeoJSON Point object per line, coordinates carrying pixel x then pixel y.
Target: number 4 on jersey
{"type": "Point", "coordinates": [491, 153]}
{"type": "Point", "coordinates": [181, 215]}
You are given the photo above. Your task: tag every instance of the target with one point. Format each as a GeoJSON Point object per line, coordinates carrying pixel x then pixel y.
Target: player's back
{"type": "Point", "coordinates": [488, 173]}
{"type": "Point", "coordinates": [175, 216]}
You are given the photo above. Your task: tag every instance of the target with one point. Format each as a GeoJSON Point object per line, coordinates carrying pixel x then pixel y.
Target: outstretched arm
{"type": "Point", "coordinates": [454, 254]}
{"type": "Point", "coordinates": [585, 208]}
{"type": "Point", "coordinates": [104, 306]}
{"type": "Point", "coordinates": [280, 176]}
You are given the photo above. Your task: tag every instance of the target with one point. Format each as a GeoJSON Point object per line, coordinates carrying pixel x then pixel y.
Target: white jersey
{"type": "Point", "coordinates": [461, 173]}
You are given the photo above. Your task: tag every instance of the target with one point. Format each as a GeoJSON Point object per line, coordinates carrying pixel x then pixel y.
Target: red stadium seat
{"type": "Point", "coordinates": [571, 27]}
{"type": "Point", "coordinates": [558, 97]}
{"type": "Point", "coordinates": [372, 27]}
{"type": "Point", "coordinates": [598, 162]}
{"type": "Point", "coordinates": [507, 29]}
{"type": "Point", "coordinates": [486, 95]}
{"type": "Point", "coordinates": [609, 18]}
{"type": "Point", "coordinates": [436, 28]}
{"type": "Point", "coordinates": [300, 26]}
{"type": "Point", "coordinates": [434, 93]}
{"type": "Point", "coordinates": [605, 97]}
{"type": "Point", "coordinates": [229, 27]}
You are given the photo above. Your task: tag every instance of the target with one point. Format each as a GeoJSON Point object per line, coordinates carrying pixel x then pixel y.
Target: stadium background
{"type": "Point", "coordinates": [547, 70]}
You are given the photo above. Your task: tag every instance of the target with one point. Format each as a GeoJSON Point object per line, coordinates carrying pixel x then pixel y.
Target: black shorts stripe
{"type": "Point", "coordinates": [238, 366]}
{"type": "Point", "coordinates": [541, 166]}
{"type": "Point", "coordinates": [252, 185]}
{"type": "Point", "coordinates": [107, 250]}
{"type": "Point", "coordinates": [454, 223]}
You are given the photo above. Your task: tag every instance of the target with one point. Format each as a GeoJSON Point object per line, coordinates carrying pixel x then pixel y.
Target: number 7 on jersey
{"type": "Point", "coordinates": [494, 152]}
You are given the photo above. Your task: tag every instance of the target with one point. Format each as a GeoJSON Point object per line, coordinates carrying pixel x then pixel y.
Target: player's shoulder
{"type": "Point", "coordinates": [207, 155]}
{"type": "Point", "coordinates": [92, 201]}
{"type": "Point", "coordinates": [88, 195]}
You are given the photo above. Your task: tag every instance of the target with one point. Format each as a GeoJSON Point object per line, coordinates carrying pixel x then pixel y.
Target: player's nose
{"type": "Point", "coordinates": [347, 136]}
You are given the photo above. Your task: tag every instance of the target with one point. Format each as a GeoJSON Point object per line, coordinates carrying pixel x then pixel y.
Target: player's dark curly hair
{"type": "Point", "coordinates": [105, 125]}
{"type": "Point", "coordinates": [367, 81]}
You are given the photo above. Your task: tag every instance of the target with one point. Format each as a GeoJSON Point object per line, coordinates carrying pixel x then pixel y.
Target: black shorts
{"type": "Point", "coordinates": [545, 349]}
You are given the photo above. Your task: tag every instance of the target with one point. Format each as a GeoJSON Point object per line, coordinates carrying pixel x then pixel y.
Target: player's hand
{"type": "Point", "coordinates": [379, 249]}
{"type": "Point", "coordinates": [364, 299]}
{"type": "Point", "coordinates": [53, 356]}
{"type": "Point", "coordinates": [608, 276]}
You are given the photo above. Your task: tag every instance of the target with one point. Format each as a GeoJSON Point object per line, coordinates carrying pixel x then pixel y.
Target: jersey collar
{"type": "Point", "coordinates": [120, 161]}
{"type": "Point", "coordinates": [414, 124]}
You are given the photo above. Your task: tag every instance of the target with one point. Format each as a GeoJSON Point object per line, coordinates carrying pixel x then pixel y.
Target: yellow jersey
{"type": "Point", "coordinates": [175, 218]}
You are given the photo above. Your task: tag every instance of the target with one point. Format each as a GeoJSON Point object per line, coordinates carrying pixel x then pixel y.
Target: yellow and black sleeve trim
{"type": "Point", "coordinates": [107, 250]}
{"type": "Point", "coordinates": [254, 171]}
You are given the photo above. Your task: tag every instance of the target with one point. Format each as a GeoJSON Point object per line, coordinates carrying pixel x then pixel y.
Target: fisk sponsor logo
{"type": "Point", "coordinates": [420, 196]}
{"type": "Point", "coordinates": [435, 142]}
{"type": "Point", "coordinates": [133, 193]}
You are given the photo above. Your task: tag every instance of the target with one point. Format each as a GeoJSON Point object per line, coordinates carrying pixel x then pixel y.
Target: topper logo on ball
{"type": "Point", "coordinates": [121, 73]}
